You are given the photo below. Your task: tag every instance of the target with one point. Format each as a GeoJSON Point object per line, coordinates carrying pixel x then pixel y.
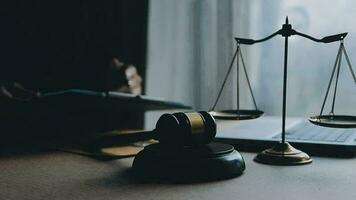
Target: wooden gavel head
{"type": "Point", "coordinates": [186, 129]}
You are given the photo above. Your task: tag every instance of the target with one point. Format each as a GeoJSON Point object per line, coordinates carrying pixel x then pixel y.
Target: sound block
{"type": "Point", "coordinates": [214, 161]}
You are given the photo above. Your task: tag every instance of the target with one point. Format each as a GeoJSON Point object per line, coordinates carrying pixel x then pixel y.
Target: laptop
{"type": "Point", "coordinates": [261, 133]}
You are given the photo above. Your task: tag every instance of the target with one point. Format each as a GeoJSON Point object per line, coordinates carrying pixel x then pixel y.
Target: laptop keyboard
{"type": "Point", "coordinates": [309, 132]}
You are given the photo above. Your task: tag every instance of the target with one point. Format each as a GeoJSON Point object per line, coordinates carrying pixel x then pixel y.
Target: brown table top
{"type": "Point", "coordinates": [60, 175]}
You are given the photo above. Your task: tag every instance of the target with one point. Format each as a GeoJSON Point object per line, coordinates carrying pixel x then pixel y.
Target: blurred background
{"type": "Point", "coordinates": [181, 49]}
{"type": "Point", "coordinates": [190, 45]}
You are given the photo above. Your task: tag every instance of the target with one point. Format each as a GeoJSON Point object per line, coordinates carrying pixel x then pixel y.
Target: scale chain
{"type": "Point", "coordinates": [331, 78]}
{"type": "Point", "coordinates": [248, 80]}
{"type": "Point", "coordinates": [238, 80]}
{"type": "Point", "coordinates": [349, 63]}
{"type": "Point", "coordinates": [225, 79]}
{"type": "Point", "coordinates": [336, 82]}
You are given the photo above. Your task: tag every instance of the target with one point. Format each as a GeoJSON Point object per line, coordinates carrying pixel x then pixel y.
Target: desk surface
{"type": "Point", "coordinates": [60, 175]}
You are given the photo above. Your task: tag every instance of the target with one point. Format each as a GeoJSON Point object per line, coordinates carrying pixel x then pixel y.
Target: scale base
{"type": "Point", "coordinates": [214, 161]}
{"type": "Point", "coordinates": [283, 154]}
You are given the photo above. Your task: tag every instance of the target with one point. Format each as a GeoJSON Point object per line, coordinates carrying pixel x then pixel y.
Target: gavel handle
{"type": "Point", "coordinates": [120, 139]}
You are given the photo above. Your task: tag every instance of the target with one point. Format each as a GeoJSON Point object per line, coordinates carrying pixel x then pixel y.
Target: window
{"type": "Point", "coordinates": [190, 45]}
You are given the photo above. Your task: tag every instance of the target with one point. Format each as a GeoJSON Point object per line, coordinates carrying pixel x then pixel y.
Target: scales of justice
{"type": "Point", "coordinates": [283, 153]}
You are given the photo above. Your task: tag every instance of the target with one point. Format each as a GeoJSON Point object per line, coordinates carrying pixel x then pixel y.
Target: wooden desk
{"type": "Point", "coordinates": [59, 175]}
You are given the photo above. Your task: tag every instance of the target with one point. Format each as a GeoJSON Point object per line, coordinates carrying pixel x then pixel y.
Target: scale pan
{"type": "Point", "coordinates": [334, 121]}
{"type": "Point", "coordinates": [237, 114]}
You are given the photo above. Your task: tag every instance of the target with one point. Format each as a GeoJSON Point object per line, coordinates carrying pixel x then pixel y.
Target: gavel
{"type": "Point", "coordinates": [177, 129]}
{"type": "Point", "coordinates": [185, 129]}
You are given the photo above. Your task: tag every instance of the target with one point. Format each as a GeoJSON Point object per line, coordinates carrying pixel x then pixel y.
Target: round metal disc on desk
{"type": "Point", "coordinates": [334, 121]}
{"type": "Point", "coordinates": [237, 114]}
{"type": "Point", "coordinates": [214, 161]}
